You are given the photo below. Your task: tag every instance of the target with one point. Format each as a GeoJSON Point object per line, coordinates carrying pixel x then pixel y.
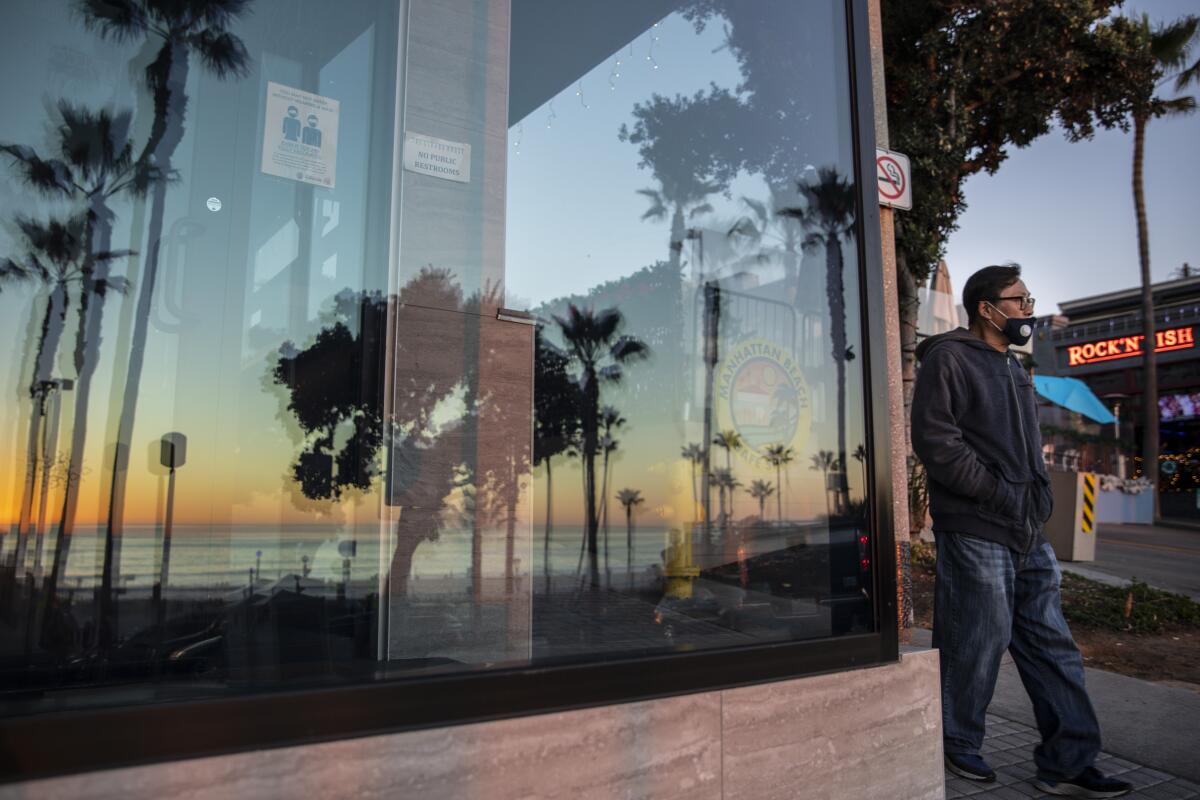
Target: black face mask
{"type": "Point", "coordinates": [1017, 330]}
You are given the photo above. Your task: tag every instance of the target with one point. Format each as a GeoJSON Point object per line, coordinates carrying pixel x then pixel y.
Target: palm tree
{"type": "Point", "coordinates": [556, 420]}
{"type": "Point", "coordinates": [778, 456]}
{"type": "Point", "coordinates": [93, 162]}
{"type": "Point", "coordinates": [1164, 52]}
{"type": "Point", "coordinates": [679, 202]}
{"type": "Point", "coordinates": [728, 441]}
{"type": "Point", "coordinates": [727, 483]}
{"type": "Point", "coordinates": [824, 461]}
{"type": "Point", "coordinates": [678, 141]}
{"type": "Point", "coordinates": [55, 255]}
{"type": "Point", "coordinates": [593, 341]}
{"type": "Point", "coordinates": [178, 30]}
{"type": "Point", "coordinates": [610, 420]}
{"type": "Point", "coordinates": [629, 498]}
{"type": "Point", "coordinates": [860, 455]}
{"type": "Point", "coordinates": [694, 453]}
{"type": "Point", "coordinates": [829, 216]}
{"type": "Point", "coordinates": [774, 234]}
{"type": "Point", "coordinates": [715, 480]}
{"type": "Point", "coordinates": [760, 491]}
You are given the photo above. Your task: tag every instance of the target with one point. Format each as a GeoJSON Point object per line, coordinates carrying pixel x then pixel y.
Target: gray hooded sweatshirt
{"type": "Point", "coordinates": [975, 428]}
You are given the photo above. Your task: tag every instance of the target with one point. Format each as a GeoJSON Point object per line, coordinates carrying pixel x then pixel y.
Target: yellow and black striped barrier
{"type": "Point", "coordinates": [1088, 506]}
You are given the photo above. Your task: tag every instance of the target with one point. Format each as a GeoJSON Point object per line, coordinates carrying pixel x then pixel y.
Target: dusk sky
{"type": "Point", "coordinates": [1065, 211]}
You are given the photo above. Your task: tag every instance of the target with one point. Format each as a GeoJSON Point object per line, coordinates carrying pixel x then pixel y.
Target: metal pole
{"type": "Point", "coordinates": [712, 321]}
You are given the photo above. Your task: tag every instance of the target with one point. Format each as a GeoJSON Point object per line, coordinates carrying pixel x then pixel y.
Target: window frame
{"type": "Point", "coordinates": [57, 743]}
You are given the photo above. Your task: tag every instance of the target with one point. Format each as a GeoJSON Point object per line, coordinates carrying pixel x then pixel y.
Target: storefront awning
{"type": "Point", "coordinates": [1073, 394]}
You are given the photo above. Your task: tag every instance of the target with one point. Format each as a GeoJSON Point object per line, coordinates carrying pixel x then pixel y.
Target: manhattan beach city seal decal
{"type": "Point", "coordinates": [762, 394]}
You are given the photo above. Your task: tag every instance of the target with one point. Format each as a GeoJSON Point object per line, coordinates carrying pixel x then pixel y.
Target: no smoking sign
{"type": "Point", "coordinates": [893, 177]}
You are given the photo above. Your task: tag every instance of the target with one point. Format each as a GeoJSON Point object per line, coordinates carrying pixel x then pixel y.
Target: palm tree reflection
{"type": "Point", "coordinates": [179, 30]}
{"type": "Point", "coordinates": [596, 346]}
{"type": "Point", "coordinates": [93, 162]}
{"type": "Point", "coordinates": [56, 254]}
{"type": "Point", "coordinates": [829, 215]}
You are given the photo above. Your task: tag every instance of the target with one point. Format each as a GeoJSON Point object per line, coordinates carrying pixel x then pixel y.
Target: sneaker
{"type": "Point", "coordinates": [1089, 783]}
{"type": "Point", "coordinates": [971, 767]}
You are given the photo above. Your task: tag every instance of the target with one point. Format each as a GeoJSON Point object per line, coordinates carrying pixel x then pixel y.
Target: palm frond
{"type": "Point", "coordinates": [60, 242]}
{"type": "Point", "coordinates": [113, 255]}
{"type": "Point", "coordinates": [1188, 76]}
{"type": "Point", "coordinates": [222, 53]}
{"type": "Point", "coordinates": [606, 323]}
{"type": "Point", "coordinates": [115, 20]}
{"type": "Point", "coordinates": [13, 272]}
{"type": "Point", "coordinates": [95, 142]}
{"type": "Point", "coordinates": [1170, 42]}
{"type": "Point", "coordinates": [217, 13]}
{"type": "Point", "coordinates": [117, 284]}
{"type": "Point", "coordinates": [49, 176]}
{"type": "Point", "coordinates": [658, 208]}
{"type": "Point", "coordinates": [1177, 107]}
{"type": "Point", "coordinates": [627, 348]}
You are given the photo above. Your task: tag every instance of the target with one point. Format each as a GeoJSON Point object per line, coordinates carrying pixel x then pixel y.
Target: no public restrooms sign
{"type": "Point", "coordinates": [893, 177]}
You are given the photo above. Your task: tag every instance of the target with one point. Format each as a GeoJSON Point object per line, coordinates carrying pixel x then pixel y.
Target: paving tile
{"type": "Point", "coordinates": [1008, 748]}
{"type": "Point", "coordinates": [1007, 758]}
{"type": "Point", "coordinates": [1157, 792]}
{"type": "Point", "coordinates": [1023, 770]}
{"type": "Point", "coordinates": [1176, 791]}
{"type": "Point", "coordinates": [964, 788]}
{"type": "Point", "coordinates": [1143, 777]}
{"type": "Point", "coordinates": [1162, 776]}
{"type": "Point", "coordinates": [1190, 792]}
{"type": "Point", "coordinates": [1181, 789]}
{"type": "Point", "coordinates": [1028, 789]}
{"type": "Point", "coordinates": [1006, 778]}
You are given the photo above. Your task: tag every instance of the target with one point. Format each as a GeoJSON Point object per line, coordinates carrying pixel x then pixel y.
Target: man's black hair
{"type": "Point", "coordinates": [988, 284]}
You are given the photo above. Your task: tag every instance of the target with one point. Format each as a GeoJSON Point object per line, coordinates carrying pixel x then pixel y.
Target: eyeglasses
{"type": "Point", "coordinates": [1025, 300]}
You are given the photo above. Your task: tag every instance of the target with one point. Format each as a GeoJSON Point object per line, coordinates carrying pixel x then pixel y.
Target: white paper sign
{"type": "Point", "coordinates": [437, 157]}
{"type": "Point", "coordinates": [300, 135]}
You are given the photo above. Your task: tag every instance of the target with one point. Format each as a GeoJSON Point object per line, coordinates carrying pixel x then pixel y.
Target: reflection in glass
{"type": "Point", "coordinates": [695, 183]}
{"type": "Point", "coordinates": [286, 409]}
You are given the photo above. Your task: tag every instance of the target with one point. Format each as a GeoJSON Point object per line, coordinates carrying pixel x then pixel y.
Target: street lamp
{"type": "Point", "coordinates": [172, 455]}
{"type": "Point", "coordinates": [52, 390]}
{"type": "Point", "coordinates": [1117, 398]}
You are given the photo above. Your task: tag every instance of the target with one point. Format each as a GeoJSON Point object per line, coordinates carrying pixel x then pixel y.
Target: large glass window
{"type": "Point", "coordinates": [681, 226]}
{"type": "Point", "coordinates": [388, 341]}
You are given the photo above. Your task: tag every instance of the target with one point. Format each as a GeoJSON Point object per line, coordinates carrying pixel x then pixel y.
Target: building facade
{"type": "Point", "coordinates": [422, 385]}
{"type": "Point", "coordinates": [1100, 340]}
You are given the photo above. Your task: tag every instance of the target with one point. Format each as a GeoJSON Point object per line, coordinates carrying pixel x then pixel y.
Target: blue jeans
{"type": "Point", "coordinates": [989, 598]}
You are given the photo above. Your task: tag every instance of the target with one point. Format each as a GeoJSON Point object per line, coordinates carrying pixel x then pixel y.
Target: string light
{"type": "Point", "coordinates": [653, 41]}
{"type": "Point", "coordinates": [613, 74]}
{"type": "Point", "coordinates": [579, 94]}
{"type": "Point", "coordinates": [520, 135]}
{"type": "Point", "coordinates": [553, 116]}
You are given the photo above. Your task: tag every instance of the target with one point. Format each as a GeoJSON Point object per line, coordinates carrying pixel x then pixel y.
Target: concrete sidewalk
{"type": "Point", "coordinates": [1150, 735]}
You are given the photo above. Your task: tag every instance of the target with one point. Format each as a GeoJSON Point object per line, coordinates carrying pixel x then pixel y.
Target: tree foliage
{"type": "Point", "coordinates": [968, 81]}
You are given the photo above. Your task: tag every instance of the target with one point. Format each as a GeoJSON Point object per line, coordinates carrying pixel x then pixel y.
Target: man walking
{"type": "Point", "coordinates": [975, 428]}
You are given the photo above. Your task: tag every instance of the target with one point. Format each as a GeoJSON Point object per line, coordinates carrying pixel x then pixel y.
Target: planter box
{"type": "Point", "coordinates": [1118, 507]}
